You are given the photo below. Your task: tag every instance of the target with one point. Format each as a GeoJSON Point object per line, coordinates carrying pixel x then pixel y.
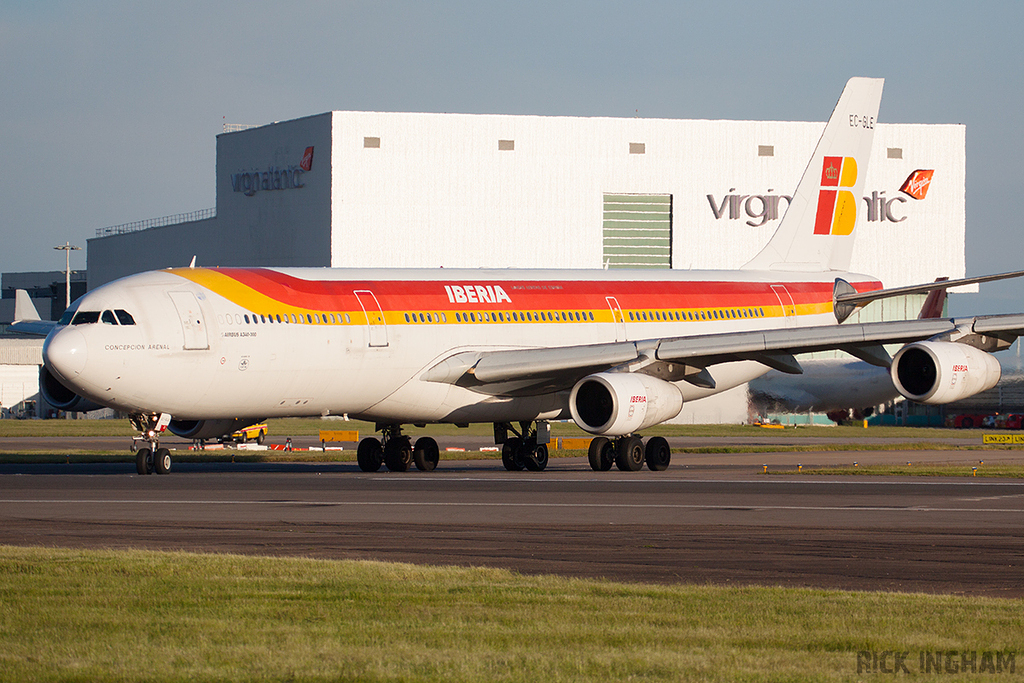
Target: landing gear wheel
{"type": "Point", "coordinates": [536, 459]}
{"type": "Point", "coordinates": [162, 461]}
{"type": "Point", "coordinates": [511, 454]}
{"type": "Point", "coordinates": [426, 454]}
{"type": "Point", "coordinates": [398, 454]}
{"type": "Point", "coordinates": [601, 454]}
{"type": "Point", "coordinates": [369, 455]}
{"type": "Point", "coordinates": [144, 461]}
{"type": "Point", "coordinates": [658, 454]}
{"type": "Point", "coordinates": [629, 455]}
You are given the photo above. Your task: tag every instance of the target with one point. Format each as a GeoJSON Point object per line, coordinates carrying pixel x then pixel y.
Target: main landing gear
{"type": "Point", "coordinates": [629, 454]}
{"type": "Point", "coordinates": [152, 458]}
{"type": "Point", "coordinates": [527, 449]}
{"type": "Point", "coordinates": [397, 451]}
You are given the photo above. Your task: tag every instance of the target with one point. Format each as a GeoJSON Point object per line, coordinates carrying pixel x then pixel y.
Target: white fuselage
{"type": "Point", "coordinates": [208, 344]}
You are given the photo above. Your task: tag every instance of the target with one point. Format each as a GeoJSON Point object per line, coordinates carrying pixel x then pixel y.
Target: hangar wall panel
{"type": "Point", "coordinates": [281, 224]}
{"type": "Point", "coordinates": [256, 224]}
{"type": "Point", "coordinates": [444, 190]}
{"type": "Point", "coordinates": [18, 383]}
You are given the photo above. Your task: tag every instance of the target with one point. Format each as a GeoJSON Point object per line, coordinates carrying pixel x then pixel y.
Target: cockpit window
{"type": "Point", "coordinates": [108, 318]}
{"type": "Point", "coordinates": [86, 318]}
{"type": "Point", "coordinates": [65, 319]}
{"type": "Point", "coordinates": [124, 317]}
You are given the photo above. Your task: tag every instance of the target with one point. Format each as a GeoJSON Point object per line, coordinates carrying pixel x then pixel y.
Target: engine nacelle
{"type": "Point", "coordinates": [942, 372]}
{"type": "Point", "coordinates": [60, 397]}
{"type": "Point", "coordinates": [618, 403]}
{"type": "Point", "coordinates": [209, 429]}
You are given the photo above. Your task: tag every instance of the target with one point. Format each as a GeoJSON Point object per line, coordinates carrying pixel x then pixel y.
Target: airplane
{"type": "Point", "coordinates": [204, 351]}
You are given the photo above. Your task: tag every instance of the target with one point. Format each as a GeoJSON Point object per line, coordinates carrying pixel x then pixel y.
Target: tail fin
{"type": "Point", "coordinates": [816, 234]}
{"type": "Point", "coordinates": [24, 309]}
{"type": "Point", "coordinates": [934, 302]}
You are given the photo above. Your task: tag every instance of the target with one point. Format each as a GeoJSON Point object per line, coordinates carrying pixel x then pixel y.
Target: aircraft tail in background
{"type": "Point", "coordinates": [816, 234]}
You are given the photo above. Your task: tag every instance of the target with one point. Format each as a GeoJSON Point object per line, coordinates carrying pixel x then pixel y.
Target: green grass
{"type": "Point", "coordinates": [126, 616]}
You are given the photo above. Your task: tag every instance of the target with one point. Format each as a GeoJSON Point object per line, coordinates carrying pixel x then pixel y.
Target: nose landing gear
{"type": "Point", "coordinates": [151, 459]}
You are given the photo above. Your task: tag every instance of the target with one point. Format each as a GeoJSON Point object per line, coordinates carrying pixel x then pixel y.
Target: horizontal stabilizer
{"type": "Point", "coordinates": [845, 299]}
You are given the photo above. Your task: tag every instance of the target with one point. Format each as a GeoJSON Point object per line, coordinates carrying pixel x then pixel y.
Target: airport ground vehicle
{"type": "Point", "coordinates": [256, 432]}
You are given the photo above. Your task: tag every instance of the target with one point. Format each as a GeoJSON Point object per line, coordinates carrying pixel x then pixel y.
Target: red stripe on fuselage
{"type": "Point", "coordinates": [531, 294]}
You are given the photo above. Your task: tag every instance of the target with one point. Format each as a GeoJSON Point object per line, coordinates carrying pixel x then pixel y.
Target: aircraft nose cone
{"type": "Point", "coordinates": [65, 353]}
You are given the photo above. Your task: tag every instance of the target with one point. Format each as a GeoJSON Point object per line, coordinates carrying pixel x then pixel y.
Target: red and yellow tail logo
{"type": "Point", "coordinates": [837, 208]}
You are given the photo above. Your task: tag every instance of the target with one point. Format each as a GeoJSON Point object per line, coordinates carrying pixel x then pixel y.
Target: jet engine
{"type": "Point", "coordinates": [209, 429]}
{"type": "Point", "coordinates": [618, 403]}
{"type": "Point", "coordinates": [942, 372]}
{"type": "Point", "coordinates": [62, 398]}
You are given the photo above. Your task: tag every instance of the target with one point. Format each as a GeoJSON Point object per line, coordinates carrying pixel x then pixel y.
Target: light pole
{"type": "Point", "coordinates": [67, 248]}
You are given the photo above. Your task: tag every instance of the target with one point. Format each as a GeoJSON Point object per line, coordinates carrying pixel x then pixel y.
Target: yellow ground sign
{"type": "Point", "coordinates": [339, 435]}
{"type": "Point", "coordinates": [575, 444]}
{"type": "Point", "coordinates": [1002, 438]}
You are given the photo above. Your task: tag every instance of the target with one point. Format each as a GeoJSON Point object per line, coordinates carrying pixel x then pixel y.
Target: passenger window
{"type": "Point", "coordinates": [124, 317]}
{"type": "Point", "coordinates": [108, 318]}
{"type": "Point", "coordinates": [86, 318]}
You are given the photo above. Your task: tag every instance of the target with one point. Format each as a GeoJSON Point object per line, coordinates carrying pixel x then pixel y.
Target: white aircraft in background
{"type": "Point", "coordinates": [834, 386]}
{"type": "Point", "coordinates": [204, 351]}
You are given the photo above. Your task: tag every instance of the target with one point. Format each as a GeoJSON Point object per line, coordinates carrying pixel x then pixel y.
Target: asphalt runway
{"type": "Point", "coordinates": [715, 519]}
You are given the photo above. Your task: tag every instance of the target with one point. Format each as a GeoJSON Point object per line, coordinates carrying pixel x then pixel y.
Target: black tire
{"type": "Point", "coordinates": [369, 455]}
{"type": "Point", "coordinates": [601, 454]}
{"type": "Point", "coordinates": [658, 454]}
{"type": "Point", "coordinates": [398, 454]}
{"type": "Point", "coordinates": [260, 437]}
{"type": "Point", "coordinates": [629, 453]}
{"type": "Point", "coordinates": [144, 461]}
{"type": "Point", "coordinates": [162, 461]}
{"type": "Point", "coordinates": [511, 454]}
{"type": "Point", "coordinates": [967, 423]}
{"type": "Point", "coordinates": [426, 454]}
{"type": "Point", "coordinates": [537, 459]}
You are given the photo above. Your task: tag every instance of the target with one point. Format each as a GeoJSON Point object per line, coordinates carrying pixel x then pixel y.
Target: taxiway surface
{"type": "Point", "coordinates": [709, 523]}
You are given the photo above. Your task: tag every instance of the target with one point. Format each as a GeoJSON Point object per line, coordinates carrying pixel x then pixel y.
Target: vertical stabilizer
{"type": "Point", "coordinates": [816, 234]}
{"type": "Point", "coordinates": [24, 309]}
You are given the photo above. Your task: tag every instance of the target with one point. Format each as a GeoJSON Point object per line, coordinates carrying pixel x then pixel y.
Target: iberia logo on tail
{"type": "Point", "coordinates": [837, 208]}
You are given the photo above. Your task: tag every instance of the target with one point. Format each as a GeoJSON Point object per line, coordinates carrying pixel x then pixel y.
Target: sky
{"type": "Point", "coordinates": [109, 110]}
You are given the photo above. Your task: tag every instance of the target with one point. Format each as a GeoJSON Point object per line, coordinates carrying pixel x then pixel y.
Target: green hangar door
{"type": "Point", "coordinates": [637, 231]}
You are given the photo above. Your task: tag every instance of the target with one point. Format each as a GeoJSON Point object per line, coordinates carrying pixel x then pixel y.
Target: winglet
{"type": "Point", "coordinates": [816, 234]}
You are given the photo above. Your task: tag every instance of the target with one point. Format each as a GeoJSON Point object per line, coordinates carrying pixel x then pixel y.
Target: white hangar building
{"type": "Point", "coordinates": [371, 189]}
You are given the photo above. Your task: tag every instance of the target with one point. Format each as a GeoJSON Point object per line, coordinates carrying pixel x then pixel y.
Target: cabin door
{"type": "Point", "coordinates": [377, 329]}
{"type": "Point", "coordinates": [193, 325]}
{"type": "Point", "coordinates": [786, 301]}
{"type": "Point", "coordinates": [620, 322]}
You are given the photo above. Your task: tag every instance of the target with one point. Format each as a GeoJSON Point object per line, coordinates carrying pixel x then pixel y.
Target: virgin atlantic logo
{"type": "Point", "coordinates": [917, 183]}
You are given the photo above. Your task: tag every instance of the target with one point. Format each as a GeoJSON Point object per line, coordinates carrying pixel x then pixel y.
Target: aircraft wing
{"type": "Point", "coordinates": [520, 371]}
{"type": "Point", "coordinates": [26, 317]}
